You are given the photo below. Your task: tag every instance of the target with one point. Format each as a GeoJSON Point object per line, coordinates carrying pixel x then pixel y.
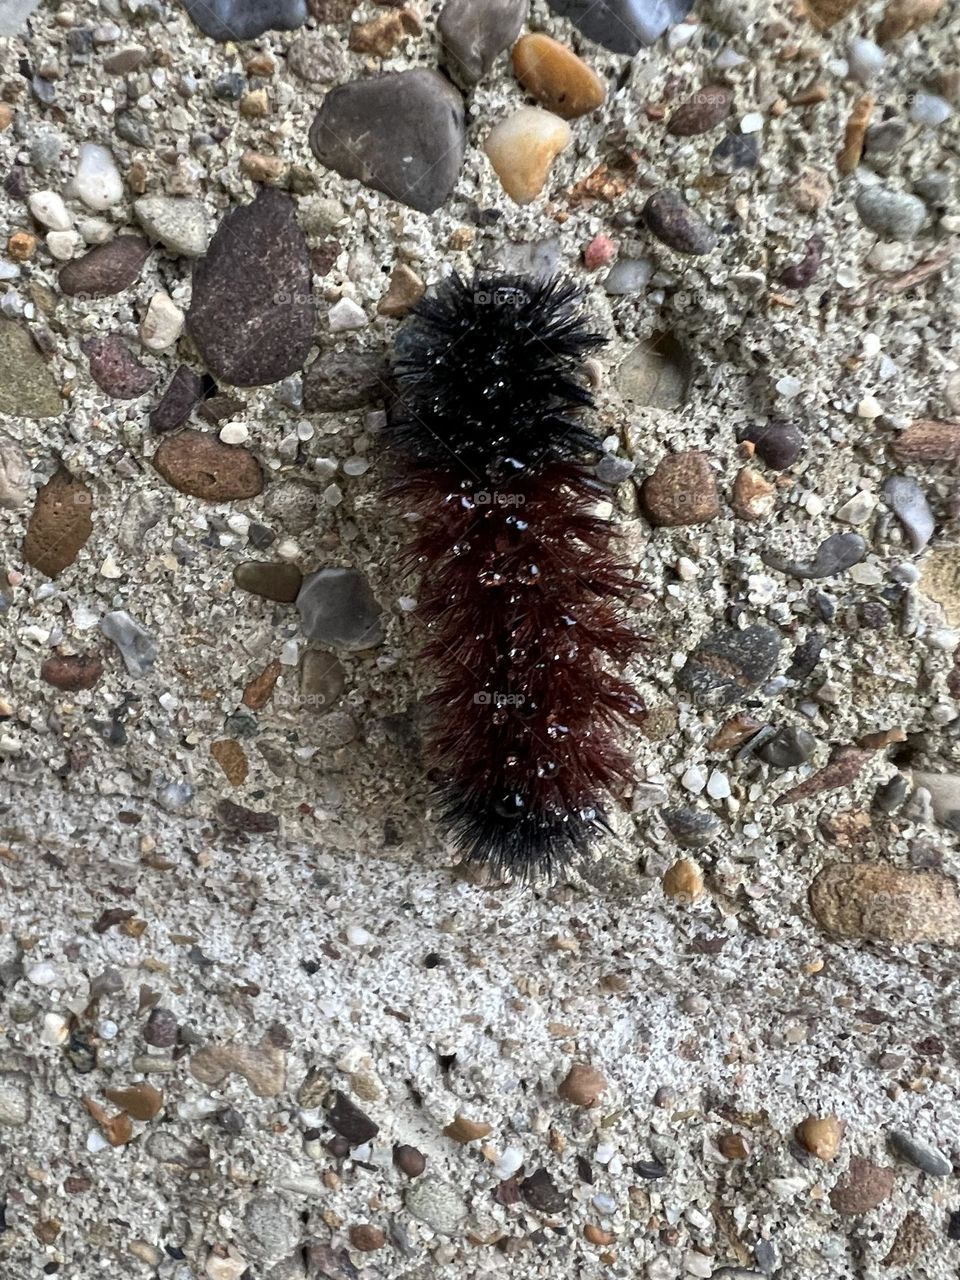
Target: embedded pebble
{"type": "Point", "coordinates": [342, 380]}
{"type": "Point", "coordinates": [669, 217]}
{"type": "Point", "coordinates": [623, 26]}
{"type": "Point", "coordinates": [556, 77]}
{"type": "Point", "coordinates": [115, 369]}
{"type": "Point", "coordinates": [402, 134]}
{"type": "Point", "coordinates": [522, 149]}
{"type": "Point", "coordinates": [228, 20]}
{"type": "Point", "coordinates": [105, 270]}
{"type": "Point", "coordinates": [162, 322]}
{"type": "Point", "coordinates": [403, 292]}
{"type": "Point", "coordinates": [315, 58]}
{"type": "Point", "coordinates": [14, 474]}
{"type": "Point", "coordinates": [894, 214]}
{"type": "Point", "coordinates": [338, 609]}
{"type": "Point", "coordinates": [99, 184]}
{"type": "Point", "coordinates": [49, 209]}
{"type": "Point", "coordinates": [136, 644]}
{"type": "Point", "coordinates": [729, 664]}
{"type": "Point", "coordinates": [473, 33]}
{"type": "Point", "coordinates": [59, 525]}
{"type": "Point", "coordinates": [692, 828]}
{"type": "Point", "coordinates": [199, 464]}
{"type": "Point", "coordinates": [792, 745]}
{"type": "Point", "coordinates": [27, 387]}
{"type": "Point", "coordinates": [930, 109]}
{"type": "Point", "coordinates": [182, 225]}
{"type": "Point", "coordinates": [923, 1154]}
{"type": "Point", "coordinates": [910, 506]}
{"type": "Point", "coordinates": [184, 392]}
{"type": "Point", "coordinates": [704, 110]}
{"type": "Point", "coordinates": [682, 490]}
{"type": "Point", "coordinates": [628, 276]}
{"type": "Point", "coordinates": [437, 1204]}
{"type": "Point", "coordinates": [346, 315]}
{"type": "Point", "coordinates": [250, 314]}
{"type": "Point", "coordinates": [263, 1066]}
{"type": "Point", "coordinates": [835, 555]}
{"type": "Point", "coordinates": [866, 59]}
{"type": "Point", "coordinates": [862, 1187]}
{"type": "Point", "coordinates": [73, 672]}
{"type": "Point", "coordinates": [272, 581]}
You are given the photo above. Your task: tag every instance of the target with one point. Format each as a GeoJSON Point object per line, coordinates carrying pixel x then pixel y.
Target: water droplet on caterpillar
{"type": "Point", "coordinates": [512, 805]}
{"type": "Point", "coordinates": [547, 768]}
{"type": "Point", "coordinates": [528, 574]}
{"type": "Point", "coordinates": [490, 578]}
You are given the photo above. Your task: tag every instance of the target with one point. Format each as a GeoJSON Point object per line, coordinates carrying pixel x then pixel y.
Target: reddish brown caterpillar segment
{"type": "Point", "coordinates": [521, 590]}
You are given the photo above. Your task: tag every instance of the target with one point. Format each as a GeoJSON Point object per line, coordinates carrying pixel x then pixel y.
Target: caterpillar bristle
{"type": "Point", "coordinates": [521, 588]}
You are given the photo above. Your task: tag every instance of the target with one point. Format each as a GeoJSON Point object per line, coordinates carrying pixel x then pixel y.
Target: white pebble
{"type": "Point", "coordinates": [95, 230]}
{"type": "Point", "coordinates": [55, 1030]}
{"type": "Point", "coordinates": [858, 509]}
{"type": "Point", "coordinates": [930, 109]}
{"type": "Point", "coordinates": [357, 937]}
{"type": "Point", "coordinates": [290, 654]}
{"type": "Point", "coordinates": [162, 323]}
{"type": "Point", "coordinates": [869, 408]}
{"type": "Point", "coordinates": [50, 211]}
{"type": "Point", "coordinates": [866, 59]}
{"type": "Point", "coordinates": [63, 244]}
{"type": "Point", "coordinates": [407, 603]}
{"type": "Point", "coordinates": [752, 122]}
{"type": "Point", "coordinates": [332, 495]}
{"type": "Point", "coordinates": [693, 780]}
{"type": "Point", "coordinates": [718, 785]}
{"type": "Point", "coordinates": [234, 432]}
{"type": "Point", "coordinates": [96, 1142]}
{"type": "Point", "coordinates": [789, 387]}
{"type": "Point", "coordinates": [680, 35]}
{"type": "Point", "coordinates": [813, 504]}
{"type": "Point", "coordinates": [99, 184]}
{"type": "Point", "coordinates": [870, 345]}
{"type": "Point", "coordinates": [288, 550]}
{"type": "Point", "coordinates": [110, 569]}
{"type": "Point", "coordinates": [108, 1029]}
{"type": "Point", "coordinates": [305, 431]}
{"type": "Point", "coordinates": [510, 1161]}
{"type": "Point", "coordinates": [866, 575]}
{"type": "Point", "coordinates": [687, 570]}
{"type": "Point", "coordinates": [346, 314]}
{"type": "Point", "coordinates": [356, 466]}
{"type": "Point", "coordinates": [727, 59]}
{"type": "Point", "coordinates": [42, 974]}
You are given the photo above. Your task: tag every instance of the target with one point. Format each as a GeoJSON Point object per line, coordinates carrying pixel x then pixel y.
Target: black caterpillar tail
{"type": "Point", "coordinates": [521, 590]}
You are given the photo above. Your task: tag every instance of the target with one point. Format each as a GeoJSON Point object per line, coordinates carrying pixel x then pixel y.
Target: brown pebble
{"type": "Point", "coordinates": [928, 440]}
{"type": "Point", "coordinates": [141, 1101]}
{"type": "Point", "coordinates": [366, 1238]}
{"type": "Point", "coordinates": [701, 112]}
{"type": "Point", "coordinates": [463, 1130]}
{"type": "Point", "coordinates": [868, 900]}
{"type": "Point", "coordinates": [733, 1146]}
{"type": "Point", "coordinates": [583, 1085]}
{"type": "Point", "coordinates": [683, 881]}
{"type": "Point", "coordinates": [261, 64]}
{"type": "Point", "coordinates": [117, 1129]}
{"type": "Point", "coordinates": [820, 1135]}
{"type": "Point", "coordinates": [799, 275]}
{"type": "Point", "coordinates": [257, 693]}
{"type": "Point", "coordinates": [232, 759]}
{"type": "Point", "coordinates": [811, 190]}
{"type": "Point", "coordinates": [597, 1235]}
{"type": "Point", "coordinates": [903, 16]}
{"type": "Point", "coordinates": [669, 217]}
{"type": "Point", "coordinates": [255, 104]}
{"type": "Point", "coordinates": [409, 1160]}
{"type": "Point", "coordinates": [380, 36]}
{"type": "Point", "coordinates": [753, 496]}
{"type": "Point", "coordinates": [204, 467]}
{"type": "Point", "coordinates": [6, 116]}
{"type": "Point", "coordinates": [913, 1238]}
{"type": "Point", "coordinates": [115, 369]}
{"type": "Point", "coordinates": [269, 580]}
{"type": "Point", "coordinates": [855, 132]}
{"type": "Point", "coordinates": [403, 292]}
{"type": "Point", "coordinates": [864, 1186]}
{"type": "Point", "coordinates": [840, 772]}
{"type": "Point", "coordinates": [682, 490]}
{"type": "Point", "coordinates": [22, 245]}
{"type": "Point", "coordinates": [556, 77]}
{"type": "Point", "coordinates": [59, 525]}
{"type": "Point", "coordinates": [826, 13]}
{"type": "Point", "coordinates": [106, 269]}
{"type": "Point", "coordinates": [735, 732]}
{"type": "Point", "coordinates": [162, 1028]}
{"type": "Point", "coordinates": [260, 168]}
{"type": "Point", "coordinates": [72, 672]}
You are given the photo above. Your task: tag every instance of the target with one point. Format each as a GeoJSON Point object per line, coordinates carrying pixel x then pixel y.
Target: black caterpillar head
{"type": "Point", "coordinates": [489, 379]}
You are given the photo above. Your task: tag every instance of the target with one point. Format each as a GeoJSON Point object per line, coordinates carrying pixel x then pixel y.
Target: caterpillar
{"type": "Point", "coordinates": [521, 592]}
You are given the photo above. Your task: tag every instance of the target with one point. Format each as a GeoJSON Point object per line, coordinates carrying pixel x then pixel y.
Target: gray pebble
{"type": "Point", "coordinates": [728, 664]}
{"type": "Point", "coordinates": [528, 257]}
{"type": "Point", "coordinates": [925, 1156]}
{"type": "Point", "coordinates": [893, 214]}
{"type": "Point", "coordinates": [245, 19]}
{"type": "Point", "coordinates": [934, 188]}
{"type": "Point", "coordinates": [790, 746]}
{"type": "Point", "coordinates": [692, 828]}
{"type": "Point", "coordinates": [623, 25]}
{"type": "Point", "coordinates": [474, 32]}
{"type": "Point", "coordinates": [881, 143]}
{"type": "Point", "coordinates": [889, 796]}
{"type": "Point", "coordinates": [839, 552]}
{"type": "Point", "coordinates": [136, 644]}
{"type": "Point", "coordinates": [909, 504]}
{"type": "Point", "coordinates": [629, 275]}
{"type": "Point", "coordinates": [670, 219]}
{"type": "Point", "coordinates": [613, 470]}
{"type": "Point", "coordinates": [350, 379]}
{"type": "Point", "coordinates": [339, 609]}
{"type": "Point", "coordinates": [182, 225]}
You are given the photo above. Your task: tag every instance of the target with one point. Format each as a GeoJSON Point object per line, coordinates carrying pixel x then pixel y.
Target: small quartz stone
{"type": "Point", "coordinates": [345, 315]}
{"type": "Point", "coordinates": [50, 211]}
{"type": "Point", "coordinates": [137, 646]}
{"type": "Point", "coordinates": [338, 609]}
{"type": "Point", "coordinates": [162, 322]}
{"type": "Point", "coordinates": [99, 184]}
{"type": "Point", "coordinates": [909, 504]}
{"type": "Point", "coordinates": [522, 150]}
{"type": "Point", "coordinates": [556, 77]}
{"type": "Point", "coordinates": [474, 32]}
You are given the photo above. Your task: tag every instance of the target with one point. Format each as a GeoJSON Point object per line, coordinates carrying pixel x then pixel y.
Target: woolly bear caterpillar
{"type": "Point", "coordinates": [521, 591]}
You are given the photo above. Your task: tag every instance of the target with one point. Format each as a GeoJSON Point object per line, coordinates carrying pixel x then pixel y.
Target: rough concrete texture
{"type": "Point", "coordinates": [221, 880]}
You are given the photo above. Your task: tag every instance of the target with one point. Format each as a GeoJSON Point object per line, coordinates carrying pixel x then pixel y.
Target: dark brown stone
{"type": "Point", "coordinates": [72, 673]}
{"type": "Point", "coordinates": [60, 524]}
{"type": "Point", "coordinates": [203, 466]}
{"type": "Point", "coordinates": [105, 270]}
